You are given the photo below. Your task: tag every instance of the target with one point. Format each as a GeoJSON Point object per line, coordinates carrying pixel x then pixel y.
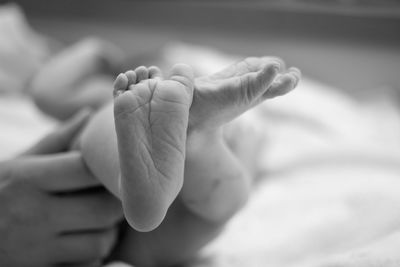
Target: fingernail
{"type": "Point", "coordinates": [276, 65]}
{"type": "Point", "coordinates": [297, 77]}
{"type": "Point", "coordinates": [278, 79]}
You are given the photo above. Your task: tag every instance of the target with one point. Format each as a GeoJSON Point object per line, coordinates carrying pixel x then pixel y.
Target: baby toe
{"type": "Point", "coordinates": [155, 72]}
{"type": "Point", "coordinates": [183, 74]}
{"type": "Point", "coordinates": [267, 74]}
{"type": "Point", "coordinates": [142, 73]}
{"type": "Point", "coordinates": [120, 84]}
{"type": "Point", "coordinates": [282, 85]}
{"type": "Point", "coordinates": [131, 75]}
{"type": "Point", "coordinates": [282, 64]}
{"type": "Point", "coordinates": [296, 73]}
{"type": "Point", "coordinates": [255, 84]}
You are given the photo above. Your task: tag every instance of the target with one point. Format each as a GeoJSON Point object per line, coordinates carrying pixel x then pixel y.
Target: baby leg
{"type": "Point", "coordinates": [151, 119]}
{"type": "Point", "coordinates": [216, 183]}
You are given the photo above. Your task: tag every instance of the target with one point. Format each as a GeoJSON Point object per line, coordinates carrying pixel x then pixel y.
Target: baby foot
{"type": "Point", "coordinates": [225, 95]}
{"type": "Point", "coordinates": [151, 119]}
{"type": "Point", "coordinates": [217, 193]}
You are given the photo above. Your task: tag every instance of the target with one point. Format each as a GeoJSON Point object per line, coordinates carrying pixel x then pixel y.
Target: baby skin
{"type": "Point", "coordinates": [169, 134]}
{"type": "Point", "coordinates": [151, 121]}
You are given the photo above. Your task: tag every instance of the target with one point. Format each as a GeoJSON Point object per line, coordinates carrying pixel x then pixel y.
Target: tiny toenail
{"type": "Point", "coordinates": [293, 79]}
{"type": "Point", "coordinates": [276, 67]}
{"type": "Point", "coordinates": [296, 82]}
{"type": "Point", "coordinates": [117, 93]}
{"type": "Point", "coordinates": [279, 79]}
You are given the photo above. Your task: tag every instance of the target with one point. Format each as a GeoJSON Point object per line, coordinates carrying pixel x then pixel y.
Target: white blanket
{"type": "Point", "coordinates": [329, 167]}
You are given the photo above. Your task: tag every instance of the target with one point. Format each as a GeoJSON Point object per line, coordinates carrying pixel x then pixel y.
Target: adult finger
{"type": "Point", "coordinates": [84, 247]}
{"type": "Point", "coordinates": [56, 172]}
{"type": "Point", "coordinates": [60, 139]}
{"type": "Point", "coordinates": [83, 211]}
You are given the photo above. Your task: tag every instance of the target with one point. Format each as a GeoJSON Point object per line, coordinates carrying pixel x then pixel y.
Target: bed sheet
{"type": "Point", "coordinates": [328, 178]}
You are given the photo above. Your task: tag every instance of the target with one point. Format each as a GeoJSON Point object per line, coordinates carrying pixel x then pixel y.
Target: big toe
{"type": "Point", "coordinates": [183, 74]}
{"type": "Point", "coordinates": [284, 83]}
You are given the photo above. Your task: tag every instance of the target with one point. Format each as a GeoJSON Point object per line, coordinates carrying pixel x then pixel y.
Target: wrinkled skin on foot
{"type": "Point", "coordinates": [223, 96]}
{"type": "Point", "coordinates": [151, 118]}
{"type": "Point", "coordinates": [216, 183]}
{"type": "Point", "coordinates": [152, 121]}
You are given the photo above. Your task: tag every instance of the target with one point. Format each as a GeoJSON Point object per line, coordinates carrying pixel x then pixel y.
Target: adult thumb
{"type": "Point", "coordinates": [60, 139]}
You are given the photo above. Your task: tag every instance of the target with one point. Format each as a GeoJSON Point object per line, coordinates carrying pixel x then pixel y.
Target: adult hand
{"type": "Point", "coordinates": [52, 210]}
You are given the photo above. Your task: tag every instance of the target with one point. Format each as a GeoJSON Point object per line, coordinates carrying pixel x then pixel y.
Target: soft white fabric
{"type": "Point", "coordinates": [329, 168]}
{"type": "Point", "coordinates": [330, 183]}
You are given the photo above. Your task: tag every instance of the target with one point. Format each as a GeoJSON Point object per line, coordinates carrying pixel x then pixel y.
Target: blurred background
{"type": "Point", "coordinates": [352, 44]}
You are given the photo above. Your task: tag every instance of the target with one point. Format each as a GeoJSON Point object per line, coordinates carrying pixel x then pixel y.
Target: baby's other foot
{"type": "Point", "coordinates": [216, 193]}
{"type": "Point", "coordinates": [227, 94]}
{"type": "Point", "coordinates": [151, 119]}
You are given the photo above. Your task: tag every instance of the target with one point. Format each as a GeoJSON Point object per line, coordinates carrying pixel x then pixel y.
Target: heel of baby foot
{"type": "Point", "coordinates": [144, 209]}
{"type": "Point", "coordinates": [145, 216]}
